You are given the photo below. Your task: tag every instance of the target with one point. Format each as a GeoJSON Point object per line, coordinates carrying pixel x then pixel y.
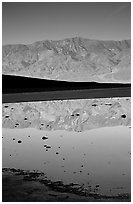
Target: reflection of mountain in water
{"type": "Point", "coordinates": [73, 59]}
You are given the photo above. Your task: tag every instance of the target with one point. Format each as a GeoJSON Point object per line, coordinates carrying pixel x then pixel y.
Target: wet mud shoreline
{"type": "Point", "coordinates": [33, 186]}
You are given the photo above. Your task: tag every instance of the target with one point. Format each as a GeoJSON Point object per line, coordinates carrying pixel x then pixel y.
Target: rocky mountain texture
{"type": "Point", "coordinates": [71, 115]}
{"type": "Point", "coordinates": [74, 59]}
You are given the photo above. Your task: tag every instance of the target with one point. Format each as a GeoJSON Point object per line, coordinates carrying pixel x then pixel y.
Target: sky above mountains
{"type": "Point", "coordinates": [27, 22]}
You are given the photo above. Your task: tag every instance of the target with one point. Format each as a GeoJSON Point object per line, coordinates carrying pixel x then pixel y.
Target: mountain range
{"type": "Point", "coordinates": [72, 59]}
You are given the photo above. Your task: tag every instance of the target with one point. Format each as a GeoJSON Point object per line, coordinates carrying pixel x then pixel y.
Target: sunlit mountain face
{"type": "Point", "coordinates": [72, 59]}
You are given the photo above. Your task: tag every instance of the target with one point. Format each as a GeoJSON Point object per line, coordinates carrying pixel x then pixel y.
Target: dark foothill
{"type": "Point", "coordinates": [19, 141]}
{"type": "Point", "coordinates": [44, 138]}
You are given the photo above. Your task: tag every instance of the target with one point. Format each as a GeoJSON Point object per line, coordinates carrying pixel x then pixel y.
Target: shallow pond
{"type": "Point", "coordinates": [99, 158]}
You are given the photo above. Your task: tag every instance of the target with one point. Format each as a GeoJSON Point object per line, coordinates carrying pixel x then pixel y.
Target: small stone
{"type": "Point", "coordinates": [48, 147]}
{"type": "Point", "coordinates": [19, 141]}
{"type": "Point", "coordinates": [44, 138]}
{"type": "Point", "coordinates": [82, 166]}
{"type": "Point", "coordinates": [123, 116]}
{"type": "Point", "coordinates": [13, 138]}
{"type": "Point", "coordinates": [57, 152]}
{"type": "Point", "coordinates": [28, 135]}
{"type": "Point", "coordinates": [63, 158]}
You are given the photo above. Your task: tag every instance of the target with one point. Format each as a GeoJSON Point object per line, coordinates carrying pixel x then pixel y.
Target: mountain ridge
{"type": "Point", "coordinates": [71, 59]}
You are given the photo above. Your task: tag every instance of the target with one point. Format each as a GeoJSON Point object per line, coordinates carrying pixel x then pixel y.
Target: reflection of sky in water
{"type": "Point", "coordinates": [100, 156]}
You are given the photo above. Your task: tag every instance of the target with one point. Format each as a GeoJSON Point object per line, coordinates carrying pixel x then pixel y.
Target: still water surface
{"type": "Point", "coordinates": [95, 157]}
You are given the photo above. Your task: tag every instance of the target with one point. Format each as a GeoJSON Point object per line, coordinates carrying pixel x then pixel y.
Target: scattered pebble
{"type": "Point", "coordinates": [63, 158]}
{"type": "Point", "coordinates": [82, 166]}
{"type": "Point", "coordinates": [57, 152]}
{"type": "Point", "coordinates": [19, 141]}
{"type": "Point", "coordinates": [44, 138]}
{"type": "Point", "coordinates": [48, 147]}
{"type": "Point", "coordinates": [74, 172]}
{"type": "Point", "coordinates": [28, 135]}
{"type": "Point", "coordinates": [123, 116]}
{"type": "Point", "coordinates": [13, 139]}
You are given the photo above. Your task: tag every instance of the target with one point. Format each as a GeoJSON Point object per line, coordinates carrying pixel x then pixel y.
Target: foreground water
{"type": "Point", "coordinates": [99, 157]}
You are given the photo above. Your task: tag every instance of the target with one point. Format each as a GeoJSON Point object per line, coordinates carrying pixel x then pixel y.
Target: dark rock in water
{"type": "Point", "coordinates": [19, 141]}
{"type": "Point", "coordinates": [48, 147]}
{"type": "Point", "coordinates": [123, 116]}
{"type": "Point", "coordinates": [44, 138]}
